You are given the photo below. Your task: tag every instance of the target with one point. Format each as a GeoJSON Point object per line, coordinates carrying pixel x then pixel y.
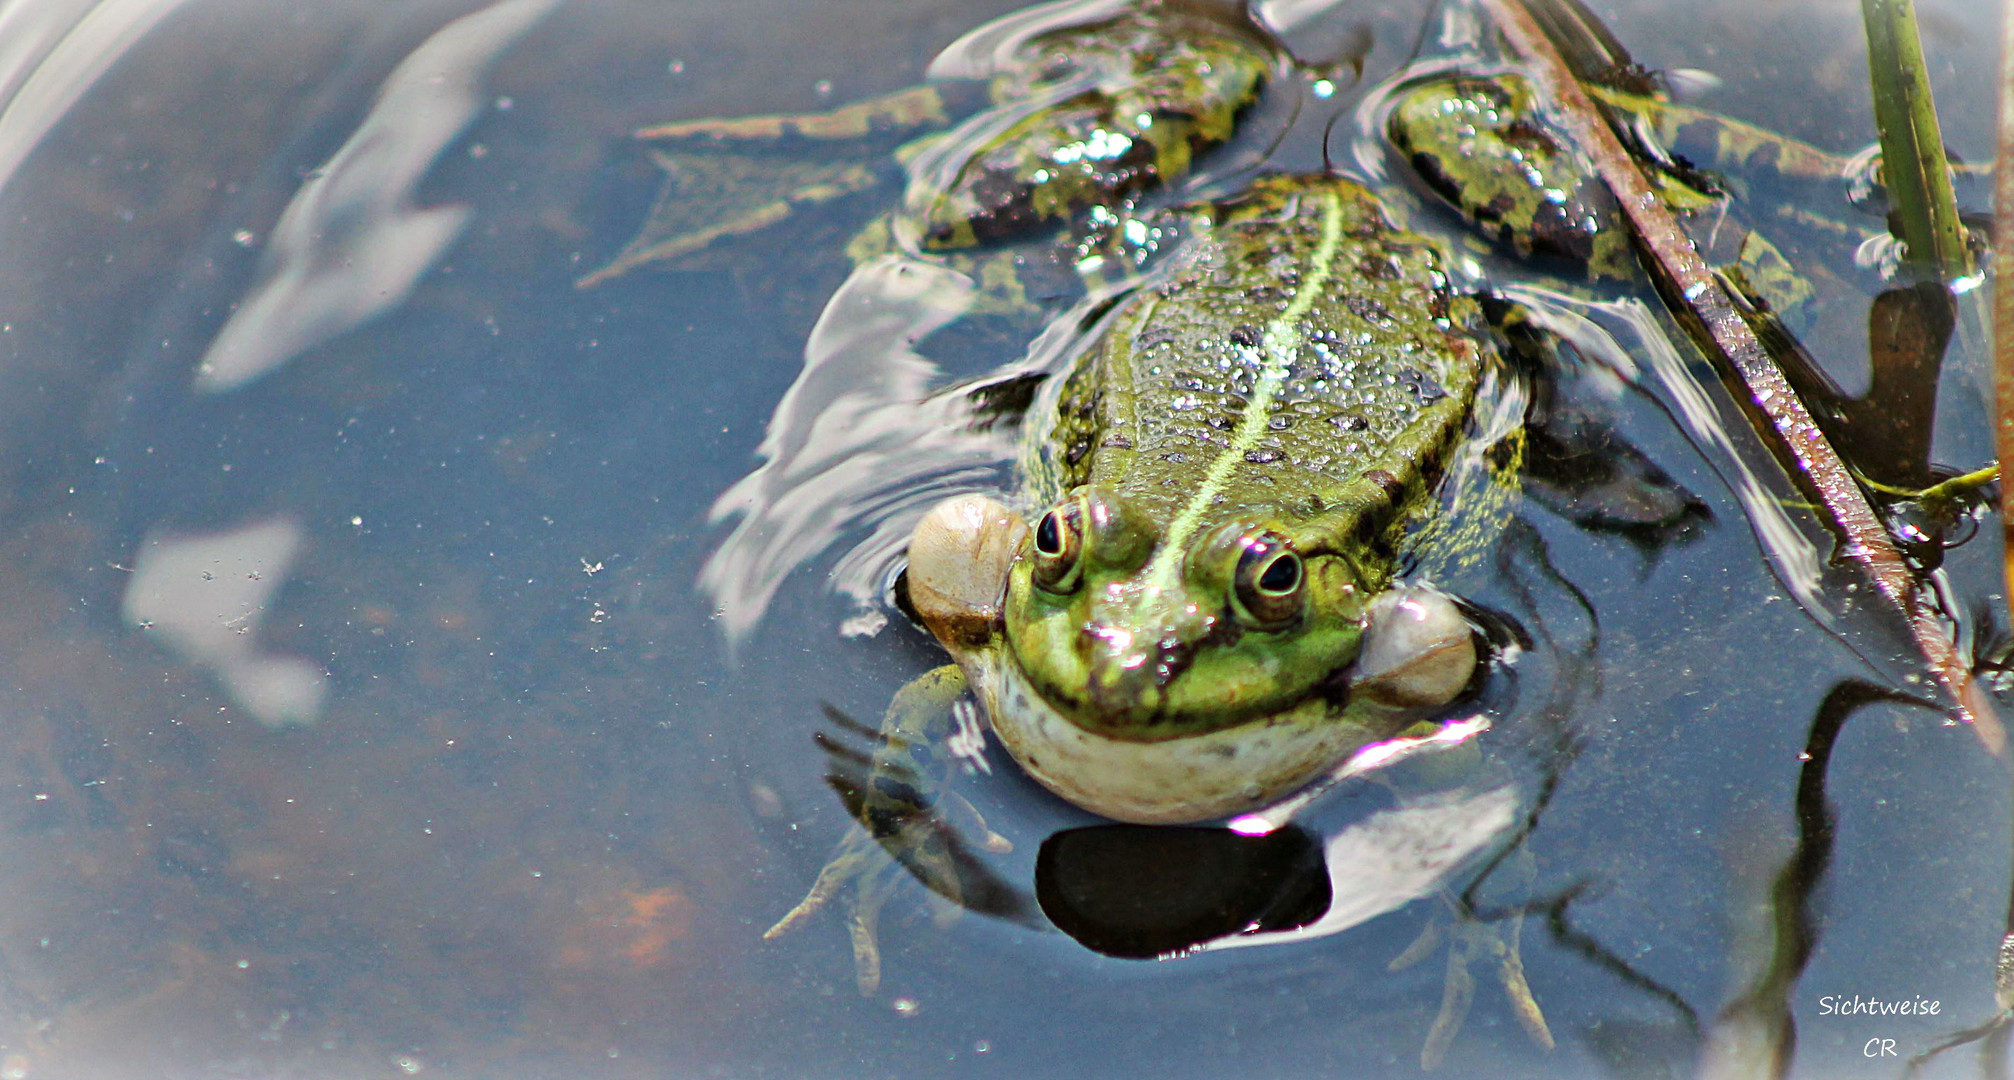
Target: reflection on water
{"type": "Point", "coordinates": [489, 534]}
{"type": "Point", "coordinates": [859, 436]}
{"type": "Point", "coordinates": [353, 242]}
{"type": "Point", "coordinates": [205, 596]}
{"type": "Point", "coordinates": [1394, 857]}
{"type": "Point", "coordinates": [51, 53]}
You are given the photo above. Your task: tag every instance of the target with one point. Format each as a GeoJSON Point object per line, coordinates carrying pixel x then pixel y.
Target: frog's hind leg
{"type": "Point", "coordinates": [1471, 940]}
{"type": "Point", "coordinates": [899, 811]}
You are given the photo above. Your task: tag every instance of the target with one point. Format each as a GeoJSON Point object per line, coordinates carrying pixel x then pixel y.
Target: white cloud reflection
{"type": "Point", "coordinates": [204, 597]}
{"type": "Point", "coordinates": [1395, 857]}
{"type": "Point", "coordinates": [857, 437]}
{"type": "Point", "coordinates": [354, 241]}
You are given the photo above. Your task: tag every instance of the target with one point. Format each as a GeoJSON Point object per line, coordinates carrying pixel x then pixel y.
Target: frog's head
{"type": "Point", "coordinates": [1178, 672]}
{"type": "Point", "coordinates": [1143, 630]}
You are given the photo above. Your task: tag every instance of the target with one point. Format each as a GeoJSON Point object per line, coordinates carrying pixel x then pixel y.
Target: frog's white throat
{"type": "Point", "coordinates": [1173, 781]}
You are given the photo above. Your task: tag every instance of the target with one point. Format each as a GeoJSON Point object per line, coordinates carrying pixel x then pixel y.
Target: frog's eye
{"type": "Point", "coordinates": [1268, 586]}
{"type": "Point", "coordinates": [1059, 547]}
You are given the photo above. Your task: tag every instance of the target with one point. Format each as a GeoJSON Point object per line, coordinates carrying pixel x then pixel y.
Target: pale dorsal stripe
{"type": "Point", "coordinates": [1280, 343]}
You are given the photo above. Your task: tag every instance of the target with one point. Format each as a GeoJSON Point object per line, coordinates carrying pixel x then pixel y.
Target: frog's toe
{"type": "Point", "coordinates": [868, 868]}
{"type": "Point", "coordinates": [1510, 971]}
{"type": "Point", "coordinates": [859, 859]}
{"type": "Point", "coordinates": [1422, 947]}
{"type": "Point", "coordinates": [1418, 650]}
{"type": "Point", "coordinates": [1523, 1004]}
{"type": "Point", "coordinates": [864, 928]}
{"type": "Point", "coordinates": [974, 824]}
{"type": "Point", "coordinates": [1457, 994]}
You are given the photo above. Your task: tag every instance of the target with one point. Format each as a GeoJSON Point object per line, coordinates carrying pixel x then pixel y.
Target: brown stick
{"type": "Point", "coordinates": [1688, 277]}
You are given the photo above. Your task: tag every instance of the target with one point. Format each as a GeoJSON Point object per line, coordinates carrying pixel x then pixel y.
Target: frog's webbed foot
{"type": "Point", "coordinates": [736, 175]}
{"type": "Point", "coordinates": [710, 196]}
{"type": "Point", "coordinates": [863, 864]}
{"type": "Point", "coordinates": [1470, 940]}
{"type": "Point", "coordinates": [903, 822]}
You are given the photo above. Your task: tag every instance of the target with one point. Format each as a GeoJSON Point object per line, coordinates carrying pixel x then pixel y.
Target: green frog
{"type": "Point", "coordinates": [1204, 615]}
{"type": "Point", "coordinates": [1194, 606]}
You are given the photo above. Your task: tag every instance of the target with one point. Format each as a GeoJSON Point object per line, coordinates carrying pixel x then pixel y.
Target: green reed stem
{"type": "Point", "coordinates": [1912, 147]}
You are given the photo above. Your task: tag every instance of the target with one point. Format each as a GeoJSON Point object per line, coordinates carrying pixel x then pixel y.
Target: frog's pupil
{"type": "Point", "coordinates": [1047, 539]}
{"type": "Point", "coordinates": [1281, 576]}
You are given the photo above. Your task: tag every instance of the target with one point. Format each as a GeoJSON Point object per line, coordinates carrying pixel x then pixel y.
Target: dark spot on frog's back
{"type": "Point", "coordinates": [1371, 311]}
{"type": "Point", "coordinates": [1378, 268]}
{"type": "Point", "coordinates": [1423, 384]}
{"type": "Point", "coordinates": [1263, 456]}
{"type": "Point", "coordinates": [1245, 335]}
{"type": "Point", "coordinates": [1530, 138]}
{"type": "Point", "coordinates": [1497, 208]}
{"type": "Point", "coordinates": [1370, 227]}
{"type": "Point", "coordinates": [1391, 485]}
{"type": "Point", "coordinates": [1556, 230]}
{"type": "Point", "coordinates": [1002, 208]}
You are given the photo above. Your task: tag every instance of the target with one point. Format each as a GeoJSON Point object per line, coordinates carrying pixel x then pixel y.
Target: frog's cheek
{"type": "Point", "coordinates": [959, 558]}
{"type": "Point", "coordinates": [1418, 651]}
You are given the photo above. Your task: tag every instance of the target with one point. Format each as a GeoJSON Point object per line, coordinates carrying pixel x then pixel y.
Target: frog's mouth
{"type": "Point", "coordinates": [1182, 780]}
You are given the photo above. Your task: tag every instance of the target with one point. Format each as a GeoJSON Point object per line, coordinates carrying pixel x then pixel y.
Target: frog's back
{"type": "Point", "coordinates": [1370, 373]}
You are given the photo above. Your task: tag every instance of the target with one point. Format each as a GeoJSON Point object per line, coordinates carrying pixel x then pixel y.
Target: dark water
{"type": "Point", "coordinates": [361, 716]}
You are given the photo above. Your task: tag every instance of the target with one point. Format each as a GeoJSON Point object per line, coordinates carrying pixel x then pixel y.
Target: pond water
{"type": "Point", "coordinates": [365, 713]}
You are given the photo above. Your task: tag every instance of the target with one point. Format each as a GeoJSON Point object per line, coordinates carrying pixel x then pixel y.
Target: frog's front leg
{"type": "Point", "coordinates": [1419, 651]}
{"type": "Point", "coordinates": [898, 823]}
{"type": "Point", "coordinates": [958, 560]}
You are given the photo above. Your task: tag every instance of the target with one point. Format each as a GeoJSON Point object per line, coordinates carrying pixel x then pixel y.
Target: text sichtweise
{"type": "Point", "coordinates": [1856, 1005]}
